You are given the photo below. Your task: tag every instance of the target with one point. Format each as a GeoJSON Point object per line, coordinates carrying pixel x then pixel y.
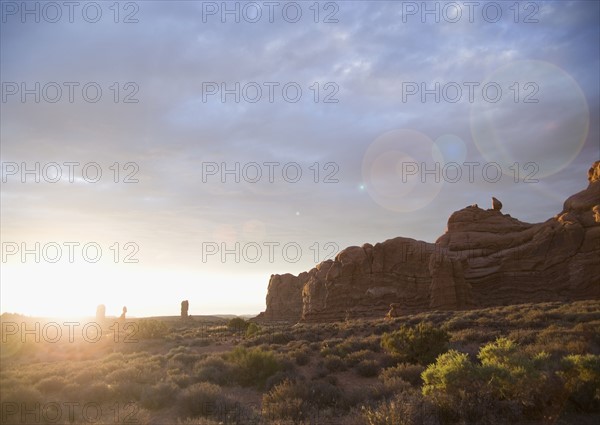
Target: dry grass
{"type": "Point", "coordinates": [198, 372]}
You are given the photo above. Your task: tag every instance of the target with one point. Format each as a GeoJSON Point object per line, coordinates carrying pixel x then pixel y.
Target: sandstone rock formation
{"type": "Point", "coordinates": [496, 204]}
{"type": "Point", "coordinates": [485, 258]}
{"type": "Point", "coordinates": [100, 313]}
{"type": "Point", "coordinates": [185, 305]}
{"type": "Point", "coordinates": [284, 298]}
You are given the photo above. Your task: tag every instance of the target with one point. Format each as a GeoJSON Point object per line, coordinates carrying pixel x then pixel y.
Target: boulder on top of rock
{"type": "Point", "coordinates": [496, 204]}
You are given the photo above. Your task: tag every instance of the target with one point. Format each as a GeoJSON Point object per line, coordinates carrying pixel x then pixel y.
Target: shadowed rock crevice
{"type": "Point", "coordinates": [485, 258]}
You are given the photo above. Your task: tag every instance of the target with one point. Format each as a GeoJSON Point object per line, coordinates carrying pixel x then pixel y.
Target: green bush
{"type": "Point", "coordinates": [452, 373]}
{"type": "Point", "coordinates": [507, 383]}
{"type": "Point", "coordinates": [420, 344]}
{"type": "Point", "coordinates": [252, 367]}
{"type": "Point", "coordinates": [453, 384]}
{"type": "Point", "coordinates": [252, 329]}
{"type": "Point", "coordinates": [581, 375]}
{"type": "Point", "coordinates": [238, 325]}
{"type": "Point", "coordinates": [513, 373]}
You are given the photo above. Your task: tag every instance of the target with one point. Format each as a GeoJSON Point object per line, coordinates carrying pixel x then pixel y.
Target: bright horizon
{"type": "Point", "coordinates": [167, 169]}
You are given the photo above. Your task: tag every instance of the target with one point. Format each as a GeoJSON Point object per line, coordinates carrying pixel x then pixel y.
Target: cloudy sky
{"type": "Point", "coordinates": [188, 150]}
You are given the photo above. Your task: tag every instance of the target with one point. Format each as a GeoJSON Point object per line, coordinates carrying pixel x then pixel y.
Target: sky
{"type": "Point", "coordinates": [158, 151]}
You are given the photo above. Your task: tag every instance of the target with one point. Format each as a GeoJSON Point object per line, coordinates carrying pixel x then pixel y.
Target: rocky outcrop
{"type": "Point", "coordinates": [496, 204]}
{"type": "Point", "coordinates": [284, 298]}
{"type": "Point", "coordinates": [100, 313]}
{"type": "Point", "coordinates": [485, 258]}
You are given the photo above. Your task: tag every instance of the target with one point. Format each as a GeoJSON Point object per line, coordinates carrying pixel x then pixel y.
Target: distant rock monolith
{"type": "Point", "coordinates": [101, 313]}
{"type": "Point", "coordinates": [185, 305]}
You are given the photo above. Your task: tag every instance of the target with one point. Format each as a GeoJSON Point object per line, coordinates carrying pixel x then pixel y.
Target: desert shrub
{"type": "Point", "coordinates": [125, 374]}
{"type": "Point", "coordinates": [288, 400]}
{"type": "Point", "coordinates": [326, 394]}
{"type": "Point", "coordinates": [508, 383]}
{"type": "Point", "coordinates": [176, 350]}
{"type": "Point", "coordinates": [523, 336]}
{"type": "Point", "coordinates": [354, 344]}
{"type": "Point", "coordinates": [356, 357]}
{"type": "Point", "coordinates": [202, 399]}
{"type": "Point", "coordinates": [581, 375]}
{"type": "Point", "coordinates": [179, 377]}
{"type": "Point", "coordinates": [334, 363]}
{"type": "Point", "coordinates": [407, 408]}
{"type": "Point", "coordinates": [513, 374]}
{"type": "Point", "coordinates": [214, 369]}
{"type": "Point", "coordinates": [186, 359]}
{"type": "Point", "coordinates": [252, 329]}
{"type": "Point", "coordinates": [454, 387]}
{"type": "Point", "coordinates": [410, 373]}
{"type": "Point", "coordinates": [458, 323]}
{"type": "Point", "coordinates": [272, 337]}
{"type": "Point", "coordinates": [112, 357]}
{"type": "Point", "coordinates": [151, 329]}
{"type": "Point", "coordinates": [238, 325]}
{"type": "Point", "coordinates": [300, 400]}
{"type": "Point", "coordinates": [252, 367]}
{"type": "Point", "coordinates": [159, 395]}
{"type": "Point", "coordinates": [97, 391]}
{"type": "Point", "coordinates": [331, 347]}
{"type": "Point", "coordinates": [357, 396]}
{"type": "Point", "coordinates": [451, 372]}
{"type": "Point", "coordinates": [52, 384]}
{"type": "Point", "coordinates": [367, 368]}
{"type": "Point", "coordinates": [21, 395]}
{"type": "Point", "coordinates": [478, 336]}
{"type": "Point", "coordinates": [301, 357]}
{"type": "Point", "coordinates": [343, 348]}
{"type": "Point", "coordinates": [420, 344]}
{"type": "Point", "coordinates": [279, 377]}
{"type": "Point", "coordinates": [72, 391]}
{"type": "Point", "coordinates": [391, 386]}
{"type": "Point", "coordinates": [127, 390]}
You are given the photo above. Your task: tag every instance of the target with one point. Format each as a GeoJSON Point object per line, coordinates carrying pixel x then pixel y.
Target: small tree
{"type": "Point", "coordinates": [421, 344]}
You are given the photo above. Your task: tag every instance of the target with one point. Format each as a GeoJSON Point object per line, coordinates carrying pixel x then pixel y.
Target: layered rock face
{"type": "Point", "coordinates": [284, 298]}
{"type": "Point", "coordinates": [485, 258]}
